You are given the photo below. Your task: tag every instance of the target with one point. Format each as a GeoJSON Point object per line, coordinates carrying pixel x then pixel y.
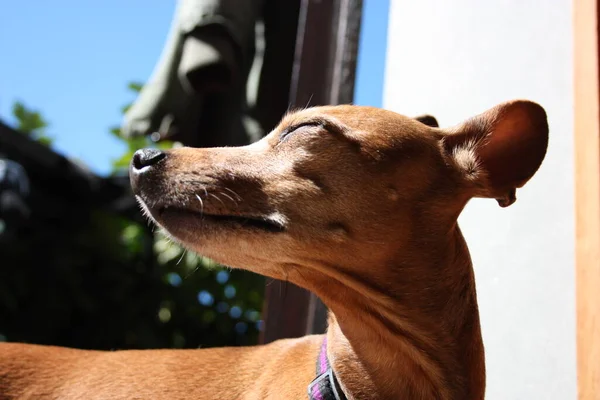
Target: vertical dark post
{"type": "Point", "coordinates": [323, 73]}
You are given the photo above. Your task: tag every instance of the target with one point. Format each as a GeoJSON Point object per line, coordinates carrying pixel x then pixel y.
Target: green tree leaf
{"type": "Point", "coordinates": [31, 122]}
{"type": "Point", "coordinates": [135, 86]}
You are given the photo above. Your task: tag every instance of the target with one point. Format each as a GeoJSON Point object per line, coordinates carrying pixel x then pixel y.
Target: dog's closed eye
{"type": "Point", "coordinates": [287, 133]}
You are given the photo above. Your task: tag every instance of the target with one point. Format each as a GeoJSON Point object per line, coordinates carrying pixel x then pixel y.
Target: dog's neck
{"type": "Point", "coordinates": [420, 340]}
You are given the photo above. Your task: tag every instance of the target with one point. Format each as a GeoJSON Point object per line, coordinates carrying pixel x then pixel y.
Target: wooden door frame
{"type": "Point", "coordinates": [587, 196]}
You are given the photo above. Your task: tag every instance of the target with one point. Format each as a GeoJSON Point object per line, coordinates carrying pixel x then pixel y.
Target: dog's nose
{"type": "Point", "coordinates": [146, 158]}
{"type": "Point", "coordinates": [141, 167]}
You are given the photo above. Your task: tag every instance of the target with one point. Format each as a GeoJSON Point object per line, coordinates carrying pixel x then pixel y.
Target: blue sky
{"type": "Point", "coordinates": [72, 59]}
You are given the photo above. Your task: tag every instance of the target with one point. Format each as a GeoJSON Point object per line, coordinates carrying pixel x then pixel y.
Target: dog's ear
{"type": "Point", "coordinates": [501, 149]}
{"type": "Point", "coordinates": [428, 120]}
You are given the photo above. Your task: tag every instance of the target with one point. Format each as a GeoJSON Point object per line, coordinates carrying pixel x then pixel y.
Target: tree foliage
{"type": "Point", "coordinates": [79, 275]}
{"type": "Point", "coordinates": [31, 123]}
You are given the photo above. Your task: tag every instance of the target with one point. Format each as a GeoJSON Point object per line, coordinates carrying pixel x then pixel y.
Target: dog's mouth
{"type": "Point", "coordinates": [269, 223]}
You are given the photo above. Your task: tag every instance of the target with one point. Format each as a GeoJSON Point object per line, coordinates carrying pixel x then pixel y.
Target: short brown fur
{"type": "Point", "coordinates": [358, 205]}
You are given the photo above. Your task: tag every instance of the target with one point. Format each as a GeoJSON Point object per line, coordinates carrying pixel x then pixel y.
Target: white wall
{"type": "Point", "coordinates": [454, 59]}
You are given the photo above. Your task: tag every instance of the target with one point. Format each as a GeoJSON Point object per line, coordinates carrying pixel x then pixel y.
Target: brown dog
{"type": "Point", "coordinates": [357, 204]}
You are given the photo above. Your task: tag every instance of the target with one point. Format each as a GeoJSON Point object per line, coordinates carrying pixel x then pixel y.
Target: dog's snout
{"type": "Point", "coordinates": [146, 158]}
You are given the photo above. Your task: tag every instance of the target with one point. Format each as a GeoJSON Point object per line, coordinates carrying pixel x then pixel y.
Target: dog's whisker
{"type": "Point", "coordinates": [182, 255]}
{"type": "Point", "coordinates": [229, 197]}
{"type": "Point", "coordinates": [217, 198]}
{"type": "Point", "coordinates": [192, 272]}
{"type": "Point", "coordinates": [201, 204]}
{"type": "Point", "coordinates": [309, 100]}
{"type": "Point", "coordinates": [234, 193]}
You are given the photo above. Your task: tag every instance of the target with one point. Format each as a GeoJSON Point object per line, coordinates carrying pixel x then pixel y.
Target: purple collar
{"type": "Point", "coordinates": [325, 386]}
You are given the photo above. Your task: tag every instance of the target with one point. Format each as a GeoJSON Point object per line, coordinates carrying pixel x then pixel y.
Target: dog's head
{"type": "Point", "coordinates": [337, 185]}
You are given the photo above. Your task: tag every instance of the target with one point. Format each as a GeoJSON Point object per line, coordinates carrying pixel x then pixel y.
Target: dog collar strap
{"type": "Point", "coordinates": [325, 386]}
